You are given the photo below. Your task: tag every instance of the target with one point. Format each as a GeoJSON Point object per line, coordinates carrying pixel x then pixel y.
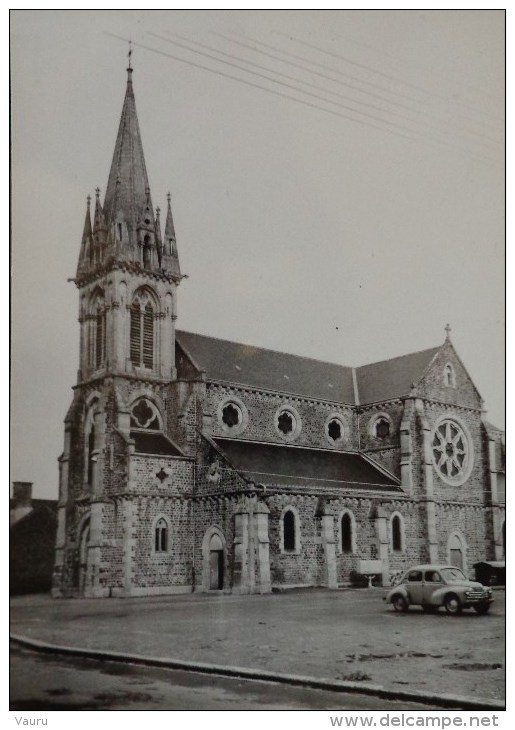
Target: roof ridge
{"type": "Point", "coordinates": [305, 357]}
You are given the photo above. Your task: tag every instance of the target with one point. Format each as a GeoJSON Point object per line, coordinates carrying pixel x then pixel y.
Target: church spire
{"type": "Point", "coordinates": [127, 194]}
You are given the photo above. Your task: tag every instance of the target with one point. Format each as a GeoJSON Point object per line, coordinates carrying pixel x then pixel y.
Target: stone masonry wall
{"type": "Point", "coordinates": [305, 566]}
{"type": "Point", "coordinates": [172, 567]}
{"type": "Point", "coordinates": [470, 523]}
{"type": "Point", "coordinates": [262, 407]}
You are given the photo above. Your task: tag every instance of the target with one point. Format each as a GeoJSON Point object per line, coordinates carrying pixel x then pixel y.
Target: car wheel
{"type": "Point", "coordinates": [399, 603]}
{"type": "Point", "coordinates": [482, 608]}
{"type": "Point", "coordinates": [429, 609]}
{"type": "Point", "coordinates": [452, 604]}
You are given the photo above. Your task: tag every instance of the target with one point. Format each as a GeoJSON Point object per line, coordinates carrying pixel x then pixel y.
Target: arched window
{"type": "Point", "coordinates": [449, 377]}
{"type": "Point", "coordinates": [100, 338]}
{"type": "Point", "coordinates": [97, 330]}
{"type": "Point", "coordinates": [142, 332]}
{"type": "Point", "coordinates": [161, 536]}
{"type": "Point", "coordinates": [146, 252]}
{"type": "Point", "coordinates": [397, 534]}
{"type": "Point", "coordinates": [289, 532]}
{"type": "Point", "coordinates": [346, 531]}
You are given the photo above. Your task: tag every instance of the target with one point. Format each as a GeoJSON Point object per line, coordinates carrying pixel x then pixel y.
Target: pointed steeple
{"type": "Point", "coordinates": [127, 188]}
{"type": "Point", "coordinates": [87, 240]}
{"type": "Point", "coordinates": [170, 259]}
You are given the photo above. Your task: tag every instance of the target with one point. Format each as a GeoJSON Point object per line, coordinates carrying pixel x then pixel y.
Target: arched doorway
{"type": "Point", "coordinates": [83, 556]}
{"type": "Point", "coordinates": [456, 550]}
{"type": "Point", "coordinates": [216, 563]}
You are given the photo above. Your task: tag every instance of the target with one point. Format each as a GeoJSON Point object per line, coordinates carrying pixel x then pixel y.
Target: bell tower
{"type": "Point", "coordinates": [127, 277]}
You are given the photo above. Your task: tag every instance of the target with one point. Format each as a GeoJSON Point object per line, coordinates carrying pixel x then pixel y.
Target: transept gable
{"type": "Point", "coordinates": [447, 380]}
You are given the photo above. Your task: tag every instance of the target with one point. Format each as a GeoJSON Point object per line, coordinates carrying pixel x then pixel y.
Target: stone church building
{"type": "Point", "coordinates": [192, 463]}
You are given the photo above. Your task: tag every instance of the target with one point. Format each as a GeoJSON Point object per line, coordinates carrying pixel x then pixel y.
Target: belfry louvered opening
{"type": "Point", "coordinates": [142, 334]}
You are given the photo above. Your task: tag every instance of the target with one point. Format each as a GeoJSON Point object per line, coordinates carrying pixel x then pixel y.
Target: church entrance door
{"type": "Point", "coordinates": [216, 564]}
{"type": "Point", "coordinates": [457, 552]}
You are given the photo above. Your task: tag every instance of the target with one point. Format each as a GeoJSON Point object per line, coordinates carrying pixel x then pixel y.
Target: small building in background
{"type": "Point", "coordinates": [33, 524]}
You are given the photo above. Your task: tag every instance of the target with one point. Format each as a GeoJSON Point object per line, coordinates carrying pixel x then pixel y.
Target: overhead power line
{"type": "Point", "coordinates": [424, 112]}
{"type": "Point", "coordinates": [366, 119]}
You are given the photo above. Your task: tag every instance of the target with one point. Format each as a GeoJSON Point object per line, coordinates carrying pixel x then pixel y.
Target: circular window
{"type": "Point", "coordinates": [232, 416]}
{"type": "Point", "coordinates": [335, 429]}
{"type": "Point", "coordinates": [380, 426]}
{"type": "Point", "coordinates": [287, 423]}
{"type": "Point", "coordinates": [452, 451]}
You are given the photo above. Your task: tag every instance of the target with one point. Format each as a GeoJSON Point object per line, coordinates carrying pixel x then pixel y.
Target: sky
{"type": "Point", "coordinates": [337, 183]}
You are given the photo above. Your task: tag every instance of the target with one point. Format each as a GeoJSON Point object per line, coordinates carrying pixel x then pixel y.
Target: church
{"type": "Point", "coordinates": [192, 463]}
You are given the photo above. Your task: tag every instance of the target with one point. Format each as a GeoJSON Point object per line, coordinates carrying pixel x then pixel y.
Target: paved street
{"type": "Point", "coordinates": [44, 682]}
{"type": "Point", "coordinates": [350, 635]}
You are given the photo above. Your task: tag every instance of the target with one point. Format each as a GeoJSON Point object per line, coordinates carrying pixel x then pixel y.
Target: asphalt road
{"type": "Point", "coordinates": [50, 682]}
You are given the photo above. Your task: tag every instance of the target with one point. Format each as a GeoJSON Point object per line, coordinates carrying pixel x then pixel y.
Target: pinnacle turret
{"type": "Point", "coordinates": [170, 259]}
{"type": "Point", "coordinates": [87, 240]}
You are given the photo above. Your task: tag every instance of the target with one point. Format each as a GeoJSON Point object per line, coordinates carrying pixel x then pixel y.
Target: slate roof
{"type": "Point", "coordinates": [151, 442]}
{"type": "Point", "coordinates": [267, 369]}
{"type": "Point", "coordinates": [279, 371]}
{"type": "Point", "coordinates": [280, 465]}
{"type": "Point", "coordinates": [392, 378]}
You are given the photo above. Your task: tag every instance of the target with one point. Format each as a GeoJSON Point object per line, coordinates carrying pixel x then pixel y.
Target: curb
{"type": "Point", "coordinates": [443, 700]}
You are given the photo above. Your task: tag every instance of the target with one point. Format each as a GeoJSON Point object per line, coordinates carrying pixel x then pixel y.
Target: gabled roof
{"type": "Point", "coordinates": [267, 369]}
{"type": "Point", "coordinates": [392, 378]}
{"type": "Point", "coordinates": [257, 367]}
{"type": "Point", "coordinates": [284, 465]}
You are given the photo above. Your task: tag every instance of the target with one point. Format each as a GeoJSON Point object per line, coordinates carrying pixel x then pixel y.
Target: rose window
{"type": "Point", "coordinates": [450, 451]}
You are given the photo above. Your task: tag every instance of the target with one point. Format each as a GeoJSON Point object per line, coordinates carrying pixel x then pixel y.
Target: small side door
{"type": "Point", "coordinates": [415, 586]}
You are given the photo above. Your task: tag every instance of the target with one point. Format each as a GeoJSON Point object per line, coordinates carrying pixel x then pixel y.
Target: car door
{"type": "Point", "coordinates": [415, 586]}
{"type": "Point", "coordinates": [432, 581]}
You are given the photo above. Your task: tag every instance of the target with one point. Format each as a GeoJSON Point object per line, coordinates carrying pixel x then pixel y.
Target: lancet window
{"type": "Point", "coordinates": [142, 315]}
